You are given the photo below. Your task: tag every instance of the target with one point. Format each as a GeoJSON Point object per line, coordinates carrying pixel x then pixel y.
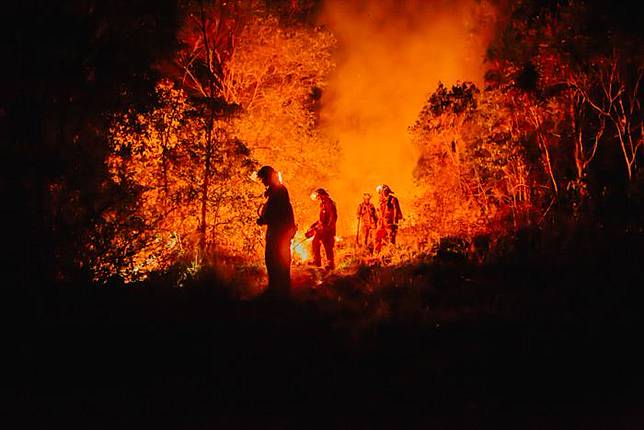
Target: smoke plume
{"type": "Point", "coordinates": [390, 56]}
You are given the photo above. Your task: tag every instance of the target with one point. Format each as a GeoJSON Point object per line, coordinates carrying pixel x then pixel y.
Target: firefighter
{"type": "Point", "coordinates": [389, 214]}
{"type": "Point", "coordinates": [324, 229]}
{"type": "Point", "coordinates": [367, 222]}
{"type": "Point", "coordinates": [277, 214]}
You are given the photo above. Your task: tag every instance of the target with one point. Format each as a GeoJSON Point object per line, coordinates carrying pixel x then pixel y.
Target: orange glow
{"type": "Point", "coordinates": [300, 248]}
{"type": "Point", "coordinates": [391, 55]}
{"type": "Point", "coordinates": [373, 93]}
{"type": "Point", "coordinates": [339, 120]}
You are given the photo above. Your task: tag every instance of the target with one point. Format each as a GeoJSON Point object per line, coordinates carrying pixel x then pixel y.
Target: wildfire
{"type": "Point", "coordinates": [300, 248]}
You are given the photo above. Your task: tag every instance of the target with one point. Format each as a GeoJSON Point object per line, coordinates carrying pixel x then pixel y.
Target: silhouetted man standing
{"type": "Point", "coordinates": [277, 214]}
{"type": "Point", "coordinates": [325, 229]}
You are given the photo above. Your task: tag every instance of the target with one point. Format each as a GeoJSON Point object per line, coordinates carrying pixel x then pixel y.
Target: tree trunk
{"type": "Point", "coordinates": [548, 163]}
{"type": "Point", "coordinates": [205, 185]}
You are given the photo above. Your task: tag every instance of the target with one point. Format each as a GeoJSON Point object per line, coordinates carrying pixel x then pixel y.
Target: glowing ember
{"type": "Point", "coordinates": [300, 248]}
{"type": "Point", "coordinates": [279, 175]}
{"type": "Point", "coordinates": [314, 195]}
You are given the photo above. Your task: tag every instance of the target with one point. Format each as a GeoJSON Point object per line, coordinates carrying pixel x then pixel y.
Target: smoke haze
{"type": "Point", "coordinates": [390, 56]}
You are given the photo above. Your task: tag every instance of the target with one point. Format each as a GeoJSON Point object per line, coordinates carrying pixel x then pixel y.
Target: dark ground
{"type": "Point", "coordinates": [532, 342]}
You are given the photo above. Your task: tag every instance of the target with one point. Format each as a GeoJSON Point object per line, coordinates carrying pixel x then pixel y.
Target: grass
{"type": "Point", "coordinates": [542, 339]}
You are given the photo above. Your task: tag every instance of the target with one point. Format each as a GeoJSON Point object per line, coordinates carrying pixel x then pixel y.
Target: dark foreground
{"type": "Point", "coordinates": [531, 342]}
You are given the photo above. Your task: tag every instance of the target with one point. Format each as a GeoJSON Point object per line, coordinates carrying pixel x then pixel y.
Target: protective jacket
{"type": "Point", "coordinates": [325, 233]}
{"type": "Point", "coordinates": [277, 213]}
{"type": "Point", "coordinates": [390, 212]}
{"type": "Point", "coordinates": [367, 214]}
{"type": "Point", "coordinates": [328, 216]}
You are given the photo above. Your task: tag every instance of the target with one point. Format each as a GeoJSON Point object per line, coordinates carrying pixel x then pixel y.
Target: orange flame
{"type": "Point", "coordinates": [300, 248]}
{"type": "Point", "coordinates": [394, 51]}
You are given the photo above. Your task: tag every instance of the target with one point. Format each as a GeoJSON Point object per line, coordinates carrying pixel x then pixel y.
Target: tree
{"type": "Point", "coordinates": [247, 99]}
{"type": "Point", "coordinates": [615, 98]}
{"type": "Point", "coordinates": [158, 156]}
{"type": "Point", "coordinates": [581, 66]}
{"type": "Point", "coordinates": [208, 37]}
{"type": "Point", "coordinates": [277, 75]}
{"type": "Point", "coordinates": [74, 64]}
{"type": "Point", "coordinates": [473, 163]}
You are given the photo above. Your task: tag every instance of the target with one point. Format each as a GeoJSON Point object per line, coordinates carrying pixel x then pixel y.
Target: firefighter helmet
{"type": "Point", "coordinates": [321, 192]}
{"type": "Point", "coordinates": [265, 172]}
{"type": "Point", "coordinates": [385, 189]}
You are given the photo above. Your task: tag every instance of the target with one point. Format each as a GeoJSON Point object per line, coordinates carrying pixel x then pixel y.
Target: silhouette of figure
{"type": "Point", "coordinates": [367, 220]}
{"type": "Point", "coordinates": [325, 229]}
{"type": "Point", "coordinates": [389, 216]}
{"type": "Point", "coordinates": [277, 214]}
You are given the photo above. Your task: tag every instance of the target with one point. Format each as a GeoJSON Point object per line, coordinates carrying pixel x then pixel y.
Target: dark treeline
{"type": "Point", "coordinates": [69, 66]}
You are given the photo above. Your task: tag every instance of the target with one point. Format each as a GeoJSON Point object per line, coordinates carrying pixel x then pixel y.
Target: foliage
{"type": "Point", "coordinates": [133, 152]}
{"type": "Point", "coordinates": [74, 65]}
{"type": "Point", "coordinates": [474, 172]}
{"type": "Point", "coordinates": [278, 75]}
{"type": "Point", "coordinates": [583, 68]}
{"type": "Point", "coordinates": [158, 156]}
{"type": "Point", "coordinates": [190, 159]}
{"type": "Point", "coordinates": [560, 108]}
